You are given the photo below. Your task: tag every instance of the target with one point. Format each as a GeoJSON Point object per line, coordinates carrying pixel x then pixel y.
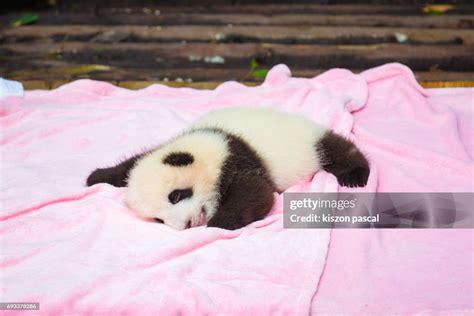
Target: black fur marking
{"type": "Point", "coordinates": [245, 187]}
{"type": "Point", "coordinates": [343, 159]}
{"type": "Point", "coordinates": [117, 175]}
{"type": "Point", "coordinates": [178, 159]}
{"type": "Point", "coordinates": [248, 198]}
{"type": "Point", "coordinates": [177, 196]}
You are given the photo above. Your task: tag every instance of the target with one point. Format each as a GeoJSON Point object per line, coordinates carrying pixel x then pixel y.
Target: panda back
{"type": "Point", "coordinates": [285, 142]}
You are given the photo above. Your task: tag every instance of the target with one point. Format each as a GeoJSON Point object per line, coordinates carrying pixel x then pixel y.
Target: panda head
{"type": "Point", "coordinates": [177, 184]}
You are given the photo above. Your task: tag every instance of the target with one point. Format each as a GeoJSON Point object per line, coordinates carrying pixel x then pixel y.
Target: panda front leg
{"type": "Point", "coordinates": [249, 198]}
{"type": "Point", "coordinates": [342, 158]}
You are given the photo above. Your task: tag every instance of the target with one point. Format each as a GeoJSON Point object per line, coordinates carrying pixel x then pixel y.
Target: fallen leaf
{"type": "Point", "coordinates": [25, 20]}
{"type": "Point", "coordinates": [111, 37]}
{"type": "Point", "coordinates": [437, 9]}
{"type": "Point", "coordinates": [219, 37]}
{"type": "Point", "coordinates": [194, 58]}
{"type": "Point", "coordinates": [259, 73]}
{"type": "Point", "coordinates": [214, 59]}
{"type": "Point", "coordinates": [400, 37]}
{"type": "Point", "coordinates": [253, 64]}
{"type": "Point", "coordinates": [84, 69]}
{"type": "Point", "coordinates": [360, 47]}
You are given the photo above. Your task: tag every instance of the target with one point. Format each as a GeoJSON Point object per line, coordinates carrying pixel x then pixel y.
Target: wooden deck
{"type": "Point", "coordinates": [200, 46]}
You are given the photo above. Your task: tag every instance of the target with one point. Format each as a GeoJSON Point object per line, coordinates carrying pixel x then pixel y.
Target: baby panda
{"type": "Point", "coordinates": [223, 170]}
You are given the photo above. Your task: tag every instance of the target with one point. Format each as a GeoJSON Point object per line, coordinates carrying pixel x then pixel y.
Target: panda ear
{"type": "Point", "coordinates": [116, 176]}
{"type": "Point", "coordinates": [178, 159]}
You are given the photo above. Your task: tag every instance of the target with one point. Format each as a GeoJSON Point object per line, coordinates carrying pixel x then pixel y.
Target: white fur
{"type": "Point", "coordinates": [151, 181]}
{"type": "Point", "coordinates": [286, 143]}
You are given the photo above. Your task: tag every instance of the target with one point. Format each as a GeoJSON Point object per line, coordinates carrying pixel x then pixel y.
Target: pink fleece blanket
{"type": "Point", "coordinates": [78, 249]}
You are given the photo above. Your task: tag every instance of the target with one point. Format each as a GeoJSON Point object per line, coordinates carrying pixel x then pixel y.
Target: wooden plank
{"type": "Point", "coordinates": [36, 84]}
{"type": "Point", "coordinates": [44, 70]}
{"type": "Point", "coordinates": [448, 84]}
{"type": "Point", "coordinates": [57, 70]}
{"type": "Point", "coordinates": [186, 55]}
{"type": "Point", "coordinates": [136, 85]}
{"type": "Point", "coordinates": [268, 9]}
{"type": "Point", "coordinates": [386, 20]}
{"type": "Point", "coordinates": [268, 34]}
{"type": "Point", "coordinates": [444, 76]}
{"type": "Point", "coordinates": [107, 9]}
{"type": "Point", "coordinates": [58, 82]}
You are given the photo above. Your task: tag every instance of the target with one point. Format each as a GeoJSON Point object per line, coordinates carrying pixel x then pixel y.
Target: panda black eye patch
{"type": "Point", "coordinates": [178, 195]}
{"type": "Point", "coordinates": [178, 159]}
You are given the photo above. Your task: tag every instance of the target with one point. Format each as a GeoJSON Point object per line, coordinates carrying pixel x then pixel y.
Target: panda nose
{"type": "Point", "coordinates": [159, 220]}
